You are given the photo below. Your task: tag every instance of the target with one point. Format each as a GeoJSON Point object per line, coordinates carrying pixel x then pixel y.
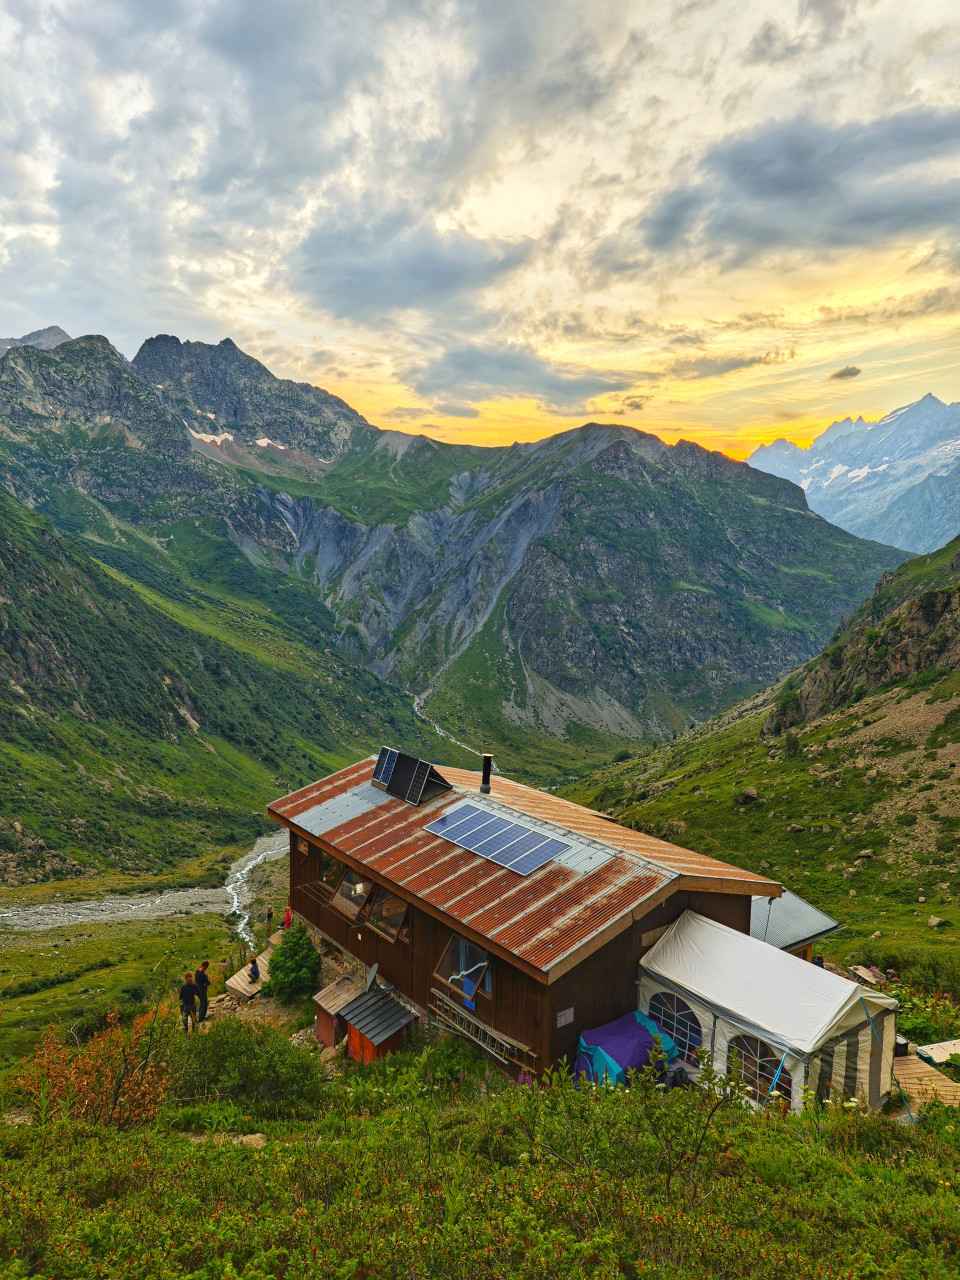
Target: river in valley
{"type": "Point", "coordinates": [234, 896]}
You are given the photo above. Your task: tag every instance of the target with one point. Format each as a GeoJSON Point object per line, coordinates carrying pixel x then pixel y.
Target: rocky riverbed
{"type": "Point", "coordinates": [234, 896]}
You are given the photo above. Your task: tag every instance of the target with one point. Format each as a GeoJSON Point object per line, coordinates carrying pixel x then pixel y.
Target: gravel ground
{"type": "Point", "coordinates": [235, 895]}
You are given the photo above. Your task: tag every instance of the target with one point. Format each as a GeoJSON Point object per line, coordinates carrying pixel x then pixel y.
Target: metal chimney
{"type": "Point", "coordinates": [485, 776]}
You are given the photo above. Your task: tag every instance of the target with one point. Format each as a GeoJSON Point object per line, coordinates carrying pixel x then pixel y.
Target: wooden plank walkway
{"type": "Point", "coordinates": [923, 1083]}
{"type": "Point", "coordinates": [240, 985]}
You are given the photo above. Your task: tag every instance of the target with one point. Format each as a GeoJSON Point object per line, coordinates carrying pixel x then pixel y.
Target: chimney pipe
{"type": "Point", "coordinates": [485, 776]}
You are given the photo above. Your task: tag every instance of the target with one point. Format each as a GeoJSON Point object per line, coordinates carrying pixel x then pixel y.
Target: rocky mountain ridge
{"type": "Point", "coordinates": [44, 339]}
{"type": "Point", "coordinates": [598, 582]}
{"type": "Point", "coordinates": [896, 480]}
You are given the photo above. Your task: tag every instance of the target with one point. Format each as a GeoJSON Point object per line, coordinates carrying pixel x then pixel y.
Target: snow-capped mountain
{"type": "Point", "coordinates": [896, 480]}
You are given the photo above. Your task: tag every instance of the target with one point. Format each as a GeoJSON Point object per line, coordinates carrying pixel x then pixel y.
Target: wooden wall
{"type": "Point", "coordinates": [601, 988]}
{"type": "Point", "coordinates": [604, 985]}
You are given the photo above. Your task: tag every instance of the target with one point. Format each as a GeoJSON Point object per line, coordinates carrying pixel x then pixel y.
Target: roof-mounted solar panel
{"type": "Point", "coordinates": [406, 777]}
{"type": "Point", "coordinates": [383, 769]}
{"type": "Point", "coordinates": [507, 843]}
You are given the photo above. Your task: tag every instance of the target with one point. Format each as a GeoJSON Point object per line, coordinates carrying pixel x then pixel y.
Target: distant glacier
{"type": "Point", "coordinates": [896, 480]}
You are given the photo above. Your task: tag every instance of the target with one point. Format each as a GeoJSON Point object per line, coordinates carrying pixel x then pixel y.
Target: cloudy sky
{"type": "Point", "coordinates": [495, 220]}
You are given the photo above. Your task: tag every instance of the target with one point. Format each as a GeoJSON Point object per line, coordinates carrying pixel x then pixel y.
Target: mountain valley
{"type": "Point", "coordinates": [555, 599]}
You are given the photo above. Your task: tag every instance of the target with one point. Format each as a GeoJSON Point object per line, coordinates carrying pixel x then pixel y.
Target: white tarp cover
{"type": "Point", "coordinates": [797, 1003]}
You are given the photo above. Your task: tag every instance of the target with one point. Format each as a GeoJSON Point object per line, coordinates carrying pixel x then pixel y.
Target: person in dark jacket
{"type": "Point", "coordinates": [269, 922]}
{"type": "Point", "coordinates": [254, 974]}
{"type": "Point", "coordinates": [201, 981]}
{"type": "Point", "coordinates": [188, 1002]}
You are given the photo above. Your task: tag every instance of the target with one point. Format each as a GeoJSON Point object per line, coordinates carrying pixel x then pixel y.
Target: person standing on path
{"type": "Point", "coordinates": [202, 982]}
{"type": "Point", "coordinates": [287, 918]}
{"type": "Point", "coordinates": [188, 1002]}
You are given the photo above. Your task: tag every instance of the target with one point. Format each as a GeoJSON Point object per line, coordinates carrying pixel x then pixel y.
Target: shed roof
{"type": "Point", "coordinates": [377, 1014]}
{"type": "Point", "coordinates": [789, 922]}
{"type": "Point", "coordinates": [337, 994]}
{"type": "Point", "coordinates": [607, 877]}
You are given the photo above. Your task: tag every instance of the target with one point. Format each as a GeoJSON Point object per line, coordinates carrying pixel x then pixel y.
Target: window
{"type": "Point", "coordinates": [330, 871]}
{"type": "Point", "coordinates": [387, 914]}
{"type": "Point", "coordinates": [675, 1017]}
{"type": "Point", "coordinates": [758, 1066]}
{"type": "Point", "coordinates": [352, 893]}
{"type": "Point", "coordinates": [466, 969]}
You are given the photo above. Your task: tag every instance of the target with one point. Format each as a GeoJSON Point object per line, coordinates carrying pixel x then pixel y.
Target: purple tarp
{"type": "Point", "coordinates": [618, 1047]}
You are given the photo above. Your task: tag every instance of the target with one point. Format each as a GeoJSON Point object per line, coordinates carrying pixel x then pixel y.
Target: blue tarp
{"type": "Point", "coordinates": [609, 1052]}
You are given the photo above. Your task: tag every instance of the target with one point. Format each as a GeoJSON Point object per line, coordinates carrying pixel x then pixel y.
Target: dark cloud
{"type": "Point", "coordinates": [368, 269]}
{"type": "Point", "coordinates": [484, 371]}
{"type": "Point", "coordinates": [708, 366]}
{"type": "Point", "coordinates": [848, 371]}
{"type": "Point", "coordinates": [801, 184]}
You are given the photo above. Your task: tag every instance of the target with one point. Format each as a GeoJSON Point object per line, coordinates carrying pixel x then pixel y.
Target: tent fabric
{"type": "Point", "coordinates": [610, 1051]}
{"type": "Point", "coordinates": [788, 1002]}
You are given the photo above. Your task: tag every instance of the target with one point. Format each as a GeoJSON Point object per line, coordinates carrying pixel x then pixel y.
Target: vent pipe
{"type": "Point", "coordinates": [485, 776]}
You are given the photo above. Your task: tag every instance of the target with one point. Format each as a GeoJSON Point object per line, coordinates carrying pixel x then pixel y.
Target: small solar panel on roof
{"type": "Point", "coordinates": [384, 766]}
{"type": "Point", "coordinates": [509, 844]}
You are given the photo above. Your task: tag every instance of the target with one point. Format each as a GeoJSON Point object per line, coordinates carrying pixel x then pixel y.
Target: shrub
{"type": "Point", "coordinates": [118, 1079]}
{"type": "Point", "coordinates": [251, 1064]}
{"type": "Point", "coordinates": [293, 966]}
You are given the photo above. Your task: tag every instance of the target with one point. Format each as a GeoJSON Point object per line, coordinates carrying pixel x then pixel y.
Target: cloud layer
{"type": "Point", "coordinates": [492, 217]}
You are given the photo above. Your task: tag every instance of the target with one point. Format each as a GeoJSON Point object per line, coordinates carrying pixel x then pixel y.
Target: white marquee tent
{"type": "Point", "coordinates": [792, 1025]}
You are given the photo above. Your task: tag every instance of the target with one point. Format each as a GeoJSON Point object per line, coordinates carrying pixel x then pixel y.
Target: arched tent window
{"type": "Point", "coordinates": [758, 1066]}
{"type": "Point", "coordinates": [677, 1019]}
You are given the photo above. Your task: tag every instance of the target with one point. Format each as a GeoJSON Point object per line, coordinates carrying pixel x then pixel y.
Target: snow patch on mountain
{"type": "Point", "coordinates": [896, 479]}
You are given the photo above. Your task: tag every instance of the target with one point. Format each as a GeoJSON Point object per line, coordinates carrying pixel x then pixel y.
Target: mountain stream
{"type": "Point", "coordinates": [233, 896]}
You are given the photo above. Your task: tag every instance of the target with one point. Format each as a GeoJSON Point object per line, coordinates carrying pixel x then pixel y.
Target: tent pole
{"type": "Point", "coordinates": [773, 1082]}
{"type": "Point", "coordinates": [913, 1119]}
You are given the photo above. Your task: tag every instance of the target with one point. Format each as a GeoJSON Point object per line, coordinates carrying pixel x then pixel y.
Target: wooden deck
{"type": "Point", "coordinates": [240, 986]}
{"type": "Point", "coordinates": [923, 1083]}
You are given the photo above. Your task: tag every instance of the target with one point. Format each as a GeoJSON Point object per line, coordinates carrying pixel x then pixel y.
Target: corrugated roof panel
{"type": "Point", "coordinates": [789, 921]}
{"type": "Point", "coordinates": [341, 809]}
{"type": "Point", "coordinates": [608, 872]}
{"type": "Point", "coordinates": [377, 1015]}
{"type": "Point", "coordinates": [575, 817]}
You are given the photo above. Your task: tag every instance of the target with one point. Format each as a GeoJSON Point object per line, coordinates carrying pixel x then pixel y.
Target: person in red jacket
{"type": "Point", "coordinates": [287, 918]}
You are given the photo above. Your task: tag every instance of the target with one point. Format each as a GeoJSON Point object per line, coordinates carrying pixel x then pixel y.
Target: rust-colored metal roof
{"type": "Point", "coordinates": [544, 918]}
{"type": "Point", "coordinates": [588, 822]}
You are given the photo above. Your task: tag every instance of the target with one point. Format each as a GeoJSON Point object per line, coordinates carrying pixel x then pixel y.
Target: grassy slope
{"type": "Point", "coordinates": [872, 763]}
{"type": "Point", "coordinates": [424, 1167]}
{"type": "Point", "coordinates": [898, 795]}
{"type": "Point", "coordinates": [147, 723]}
{"type": "Point", "coordinates": [133, 956]}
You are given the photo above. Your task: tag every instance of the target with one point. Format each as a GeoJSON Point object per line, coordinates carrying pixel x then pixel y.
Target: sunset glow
{"type": "Point", "coordinates": [491, 223]}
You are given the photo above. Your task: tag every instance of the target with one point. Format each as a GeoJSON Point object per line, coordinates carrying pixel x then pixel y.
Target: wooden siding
{"type": "Point", "coordinates": [601, 988]}
{"type": "Point", "coordinates": [604, 986]}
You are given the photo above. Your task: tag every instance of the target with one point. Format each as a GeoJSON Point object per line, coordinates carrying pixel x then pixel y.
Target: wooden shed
{"type": "Point", "coordinates": [330, 1002]}
{"type": "Point", "coordinates": [505, 913]}
{"type": "Point", "coordinates": [376, 1021]}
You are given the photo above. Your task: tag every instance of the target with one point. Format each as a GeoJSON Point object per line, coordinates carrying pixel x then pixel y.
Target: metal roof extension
{"type": "Point", "coordinates": [377, 1015]}
{"type": "Point", "coordinates": [788, 922]}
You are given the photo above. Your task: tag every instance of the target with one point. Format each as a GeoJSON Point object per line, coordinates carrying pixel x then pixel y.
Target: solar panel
{"type": "Point", "coordinates": [509, 844]}
{"type": "Point", "coordinates": [418, 782]}
{"type": "Point", "coordinates": [384, 767]}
